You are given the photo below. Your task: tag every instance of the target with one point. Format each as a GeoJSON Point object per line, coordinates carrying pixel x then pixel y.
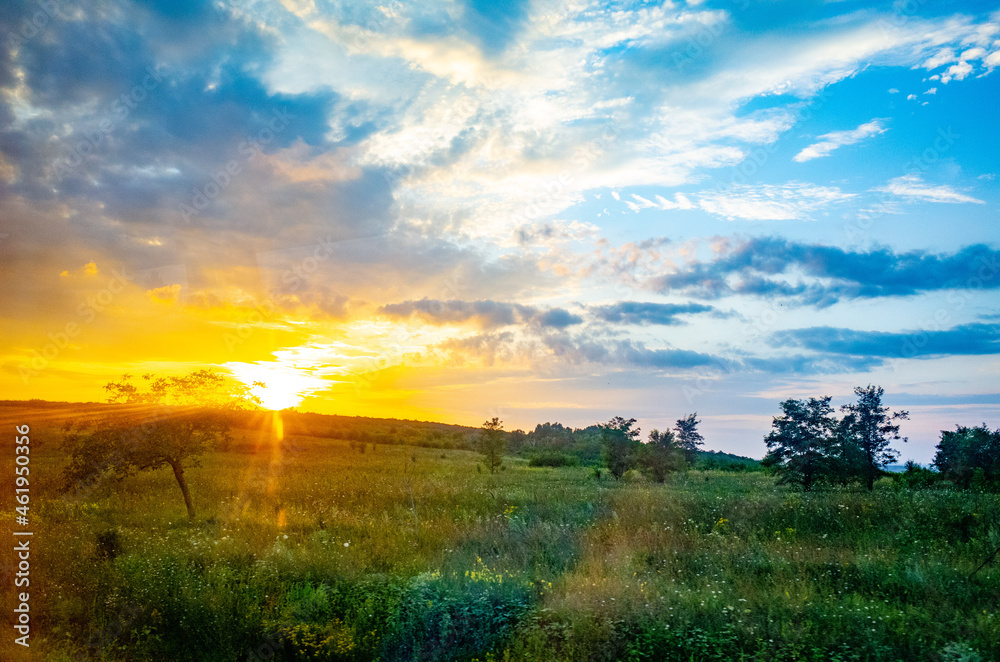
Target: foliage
{"type": "Point", "coordinates": [172, 422]}
{"type": "Point", "coordinates": [553, 459]}
{"type": "Point", "coordinates": [917, 477]}
{"type": "Point", "coordinates": [492, 443]}
{"type": "Point", "coordinates": [800, 443]}
{"type": "Point", "coordinates": [963, 452]}
{"type": "Point", "coordinates": [321, 559]}
{"type": "Point", "coordinates": [619, 443]}
{"type": "Point", "coordinates": [688, 437]}
{"type": "Point", "coordinates": [720, 461]}
{"type": "Point", "coordinates": [661, 455]}
{"type": "Point", "coordinates": [871, 425]}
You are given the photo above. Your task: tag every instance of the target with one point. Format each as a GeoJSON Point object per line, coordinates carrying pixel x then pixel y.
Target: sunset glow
{"type": "Point", "coordinates": [593, 210]}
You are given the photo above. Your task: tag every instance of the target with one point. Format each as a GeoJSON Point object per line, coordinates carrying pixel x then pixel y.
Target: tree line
{"type": "Point", "coordinates": [809, 445]}
{"type": "Point", "coordinates": [621, 450]}
{"type": "Point", "coordinates": [172, 421]}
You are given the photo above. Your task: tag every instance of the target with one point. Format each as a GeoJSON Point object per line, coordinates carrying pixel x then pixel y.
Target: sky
{"type": "Point", "coordinates": [541, 211]}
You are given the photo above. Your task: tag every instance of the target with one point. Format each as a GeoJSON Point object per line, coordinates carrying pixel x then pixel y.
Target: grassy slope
{"type": "Point", "coordinates": [411, 553]}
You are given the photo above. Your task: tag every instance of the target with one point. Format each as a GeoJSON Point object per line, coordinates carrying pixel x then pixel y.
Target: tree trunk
{"type": "Point", "coordinates": [179, 475]}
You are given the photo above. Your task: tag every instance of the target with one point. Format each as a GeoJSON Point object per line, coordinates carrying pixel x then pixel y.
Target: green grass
{"type": "Point", "coordinates": [311, 550]}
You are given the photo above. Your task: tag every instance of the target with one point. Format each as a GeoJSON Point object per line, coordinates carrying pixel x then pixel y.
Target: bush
{"type": "Point", "coordinates": [553, 459]}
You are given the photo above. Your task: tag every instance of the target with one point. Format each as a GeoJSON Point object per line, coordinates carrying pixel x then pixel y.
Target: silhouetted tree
{"type": "Point", "coordinates": [848, 459]}
{"type": "Point", "coordinates": [872, 428]}
{"type": "Point", "coordinates": [965, 452]}
{"type": "Point", "coordinates": [619, 443]}
{"type": "Point", "coordinates": [801, 443]}
{"type": "Point", "coordinates": [170, 422]}
{"type": "Point", "coordinates": [688, 437]}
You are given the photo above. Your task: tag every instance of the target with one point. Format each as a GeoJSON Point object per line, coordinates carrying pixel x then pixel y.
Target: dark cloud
{"type": "Point", "coordinates": [557, 318]}
{"type": "Point", "coordinates": [640, 312]}
{"type": "Point", "coordinates": [761, 266]}
{"type": "Point", "coordinates": [618, 354]}
{"type": "Point", "coordinates": [486, 313]}
{"type": "Point", "coordinates": [145, 104]}
{"type": "Point", "coordinates": [967, 339]}
{"type": "Point", "coordinates": [636, 354]}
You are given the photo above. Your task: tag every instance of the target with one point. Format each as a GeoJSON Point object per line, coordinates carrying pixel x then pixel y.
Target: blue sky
{"type": "Point", "coordinates": [546, 211]}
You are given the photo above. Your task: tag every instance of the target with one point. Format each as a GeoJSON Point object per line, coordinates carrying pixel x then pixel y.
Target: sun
{"type": "Point", "coordinates": [284, 385]}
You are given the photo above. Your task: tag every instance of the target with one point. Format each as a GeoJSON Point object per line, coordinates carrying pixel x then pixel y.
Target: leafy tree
{"type": "Point", "coordinates": [872, 426]}
{"type": "Point", "coordinates": [170, 422]}
{"type": "Point", "coordinates": [550, 435]}
{"type": "Point", "coordinates": [516, 440]}
{"type": "Point", "coordinates": [964, 452]}
{"type": "Point", "coordinates": [688, 437]}
{"type": "Point", "coordinates": [848, 462]}
{"type": "Point", "coordinates": [800, 445]}
{"type": "Point", "coordinates": [619, 442]}
{"type": "Point", "coordinates": [661, 455]}
{"type": "Point", "coordinates": [492, 443]}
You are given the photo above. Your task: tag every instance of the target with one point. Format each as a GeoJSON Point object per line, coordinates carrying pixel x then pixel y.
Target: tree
{"type": "Point", "coordinates": [872, 426]}
{"type": "Point", "coordinates": [965, 452]}
{"type": "Point", "coordinates": [619, 442]}
{"type": "Point", "coordinates": [801, 443]}
{"type": "Point", "coordinates": [849, 461]}
{"type": "Point", "coordinates": [171, 422]}
{"type": "Point", "coordinates": [688, 436]}
{"type": "Point", "coordinates": [661, 455]}
{"type": "Point", "coordinates": [492, 443]}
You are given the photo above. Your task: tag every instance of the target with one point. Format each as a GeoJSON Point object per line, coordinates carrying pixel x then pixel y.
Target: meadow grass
{"type": "Point", "coordinates": [307, 549]}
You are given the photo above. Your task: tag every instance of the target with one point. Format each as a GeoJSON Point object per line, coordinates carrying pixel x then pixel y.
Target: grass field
{"type": "Point", "coordinates": [306, 549]}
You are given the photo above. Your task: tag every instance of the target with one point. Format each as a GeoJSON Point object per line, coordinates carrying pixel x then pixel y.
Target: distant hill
{"type": "Point", "coordinates": [582, 443]}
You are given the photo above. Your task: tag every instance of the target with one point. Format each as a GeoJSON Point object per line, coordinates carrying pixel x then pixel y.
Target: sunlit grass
{"type": "Point", "coordinates": [313, 550]}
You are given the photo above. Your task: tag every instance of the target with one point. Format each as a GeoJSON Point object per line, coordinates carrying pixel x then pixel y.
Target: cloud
{"type": "Point", "coordinates": [824, 275]}
{"type": "Point", "coordinates": [912, 186]}
{"type": "Point", "coordinates": [832, 141]}
{"type": "Point", "coordinates": [485, 313]}
{"type": "Point", "coordinates": [767, 202]}
{"type": "Point", "coordinates": [640, 312]}
{"type": "Point", "coordinates": [680, 201]}
{"type": "Point", "coordinates": [967, 339]}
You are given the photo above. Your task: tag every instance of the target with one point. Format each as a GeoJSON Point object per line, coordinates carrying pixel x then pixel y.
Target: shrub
{"type": "Point", "coordinates": [553, 459]}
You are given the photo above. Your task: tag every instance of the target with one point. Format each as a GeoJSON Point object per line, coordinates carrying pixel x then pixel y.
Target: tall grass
{"type": "Point", "coordinates": [307, 549]}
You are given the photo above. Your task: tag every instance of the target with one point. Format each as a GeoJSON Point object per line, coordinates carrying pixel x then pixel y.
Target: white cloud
{"type": "Point", "coordinates": [492, 142]}
{"type": "Point", "coordinates": [832, 141]}
{"type": "Point", "coordinates": [680, 201]}
{"type": "Point", "coordinates": [933, 90]}
{"type": "Point", "coordinates": [791, 201]}
{"type": "Point", "coordinates": [911, 97]}
{"type": "Point", "coordinates": [956, 72]}
{"type": "Point", "coordinates": [912, 186]}
{"type": "Point", "coordinates": [944, 56]}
